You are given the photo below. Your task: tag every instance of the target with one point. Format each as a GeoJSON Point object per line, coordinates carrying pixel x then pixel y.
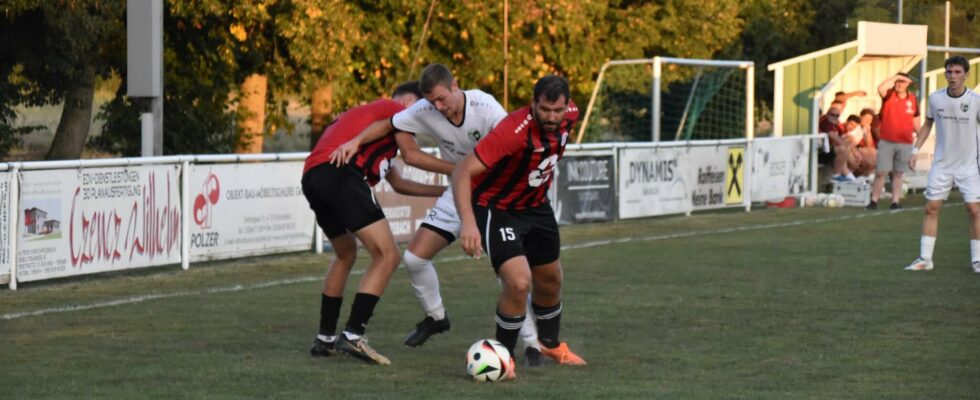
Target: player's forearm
{"type": "Point", "coordinates": [923, 134]}
{"type": "Point", "coordinates": [377, 130]}
{"type": "Point", "coordinates": [411, 188]}
{"type": "Point", "coordinates": [425, 161]}
{"type": "Point", "coordinates": [463, 195]}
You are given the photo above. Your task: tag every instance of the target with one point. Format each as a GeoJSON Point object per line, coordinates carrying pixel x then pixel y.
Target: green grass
{"type": "Point", "coordinates": [820, 309]}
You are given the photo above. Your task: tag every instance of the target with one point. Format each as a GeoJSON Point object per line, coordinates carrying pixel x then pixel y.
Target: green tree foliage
{"type": "Point", "coordinates": [50, 52]}
{"type": "Point", "coordinates": [361, 49]}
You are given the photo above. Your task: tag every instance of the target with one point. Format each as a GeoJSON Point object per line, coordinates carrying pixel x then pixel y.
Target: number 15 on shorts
{"type": "Point", "coordinates": [507, 234]}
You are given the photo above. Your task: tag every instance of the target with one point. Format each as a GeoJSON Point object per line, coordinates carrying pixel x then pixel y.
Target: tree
{"type": "Point", "coordinates": [57, 49]}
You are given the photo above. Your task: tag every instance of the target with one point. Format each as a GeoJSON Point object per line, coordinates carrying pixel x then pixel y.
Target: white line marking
{"type": "Point", "coordinates": [596, 243]}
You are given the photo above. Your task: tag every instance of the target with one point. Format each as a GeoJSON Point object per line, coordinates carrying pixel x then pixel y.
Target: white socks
{"type": "Point", "coordinates": [927, 244]}
{"type": "Point", "coordinates": [328, 339]}
{"type": "Point", "coordinates": [529, 331]}
{"type": "Point", "coordinates": [426, 284]}
{"type": "Point", "coordinates": [974, 250]}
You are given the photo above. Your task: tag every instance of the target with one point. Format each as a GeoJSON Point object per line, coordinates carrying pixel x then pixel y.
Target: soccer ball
{"type": "Point", "coordinates": [487, 361]}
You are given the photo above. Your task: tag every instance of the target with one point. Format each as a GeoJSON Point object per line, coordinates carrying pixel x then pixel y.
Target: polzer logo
{"type": "Point", "coordinates": [210, 193]}
{"type": "Point", "coordinates": [541, 175]}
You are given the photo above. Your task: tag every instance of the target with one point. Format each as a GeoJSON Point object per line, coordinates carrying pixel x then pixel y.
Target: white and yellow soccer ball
{"type": "Point", "coordinates": [487, 360]}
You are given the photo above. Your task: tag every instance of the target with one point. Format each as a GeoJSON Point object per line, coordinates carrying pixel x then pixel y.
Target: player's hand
{"type": "Point", "coordinates": [469, 238]}
{"type": "Point", "coordinates": [912, 162]}
{"type": "Point", "coordinates": [345, 152]}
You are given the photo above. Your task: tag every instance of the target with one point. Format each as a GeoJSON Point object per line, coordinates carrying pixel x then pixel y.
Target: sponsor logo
{"type": "Point", "coordinates": [205, 201]}
{"type": "Point", "coordinates": [544, 171]}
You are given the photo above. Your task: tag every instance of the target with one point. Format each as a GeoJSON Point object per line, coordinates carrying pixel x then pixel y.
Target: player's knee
{"type": "Point", "coordinates": [413, 262]}
{"type": "Point", "coordinates": [518, 288]}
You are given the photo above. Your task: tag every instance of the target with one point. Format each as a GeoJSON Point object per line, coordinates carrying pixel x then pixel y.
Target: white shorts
{"type": "Point", "coordinates": [443, 219]}
{"type": "Point", "coordinates": [941, 182]}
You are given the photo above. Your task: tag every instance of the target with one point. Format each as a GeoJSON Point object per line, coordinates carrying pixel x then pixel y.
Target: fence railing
{"type": "Point", "coordinates": [68, 218]}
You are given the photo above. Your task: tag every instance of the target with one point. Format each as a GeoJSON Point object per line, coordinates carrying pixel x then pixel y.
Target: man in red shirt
{"type": "Point", "coordinates": [345, 208]}
{"type": "Point", "coordinates": [501, 189]}
{"type": "Point", "coordinates": [899, 121]}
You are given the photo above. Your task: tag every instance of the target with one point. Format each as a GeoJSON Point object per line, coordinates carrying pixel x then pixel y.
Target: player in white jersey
{"type": "Point", "coordinates": [955, 111]}
{"type": "Point", "coordinates": [456, 120]}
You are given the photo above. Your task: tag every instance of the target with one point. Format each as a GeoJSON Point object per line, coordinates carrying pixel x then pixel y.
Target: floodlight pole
{"type": "Point", "coordinates": [144, 68]}
{"type": "Point", "coordinates": [655, 114]}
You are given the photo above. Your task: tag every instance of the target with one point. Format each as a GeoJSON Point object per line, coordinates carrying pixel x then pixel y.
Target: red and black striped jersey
{"type": "Point", "coordinates": [520, 161]}
{"type": "Point", "coordinates": [372, 158]}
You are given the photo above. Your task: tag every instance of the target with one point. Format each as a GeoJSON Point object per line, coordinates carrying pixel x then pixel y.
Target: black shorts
{"type": "Point", "coordinates": [341, 199]}
{"type": "Point", "coordinates": [531, 232]}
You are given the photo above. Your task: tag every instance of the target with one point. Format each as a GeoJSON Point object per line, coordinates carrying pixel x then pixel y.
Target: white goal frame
{"type": "Point", "coordinates": [657, 63]}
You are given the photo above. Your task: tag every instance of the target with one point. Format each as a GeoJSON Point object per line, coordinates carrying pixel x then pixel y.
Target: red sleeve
{"type": "Point", "coordinates": [503, 140]}
{"type": "Point", "coordinates": [385, 109]}
{"type": "Point", "coordinates": [915, 103]}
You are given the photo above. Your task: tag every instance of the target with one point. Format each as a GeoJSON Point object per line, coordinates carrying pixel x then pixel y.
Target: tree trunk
{"type": "Point", "coordinates": [76, 118]}
{"type": "Point", "coordinates": [252, 114]}
{"type": "Point", "coordinates": [320, 108]}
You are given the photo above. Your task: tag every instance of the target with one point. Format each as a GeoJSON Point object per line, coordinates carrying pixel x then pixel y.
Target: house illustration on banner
{"type": "Point", "coordinates": [36, 222]}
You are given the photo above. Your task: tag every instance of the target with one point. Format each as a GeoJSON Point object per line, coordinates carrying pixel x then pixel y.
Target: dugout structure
{"type": "Point", "coordinates": [805, 85]}
{"type": "Point", "coordinates": [670, 99]}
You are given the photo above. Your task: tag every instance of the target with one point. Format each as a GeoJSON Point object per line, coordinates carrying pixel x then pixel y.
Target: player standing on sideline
{"type": "Point", "coordinates": [501, 191]}
{"type": "Point", "coordinates": [456, 120]}
{"type": "Point", "coordinates": [345, 207]}
{"type": "Point", "coordinates": [956, 112]}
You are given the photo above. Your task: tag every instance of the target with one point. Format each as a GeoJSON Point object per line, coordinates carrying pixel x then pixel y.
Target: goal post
{"type": "Point", "coordinates": [672, 99]}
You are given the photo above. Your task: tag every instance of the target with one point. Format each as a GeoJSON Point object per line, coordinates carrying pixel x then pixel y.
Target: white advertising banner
{"type": "Point", "coordinates": [780, 167]}
{"type": "Point", "coordinates": [5, 221]}
{"type": "Point", "coordinates": [248, 209]}
{"type": "Point", "coordinates": [705, 167]}
{"type": "Point", "coordinates": [652, 182]}
{"type": "Point", "coordinates": [83, 221]}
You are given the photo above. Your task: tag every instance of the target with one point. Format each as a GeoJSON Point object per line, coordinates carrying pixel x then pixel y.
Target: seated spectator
{"type": "Point", "coordinates": [840, 152]}
{"type": "Point", "coordinates": [861, 157]}
{"type": "Point", "coordinates": [871, 124]}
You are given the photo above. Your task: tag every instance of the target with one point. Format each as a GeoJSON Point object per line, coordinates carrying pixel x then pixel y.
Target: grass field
{"type": "Point", "coordinates": [772, 304]}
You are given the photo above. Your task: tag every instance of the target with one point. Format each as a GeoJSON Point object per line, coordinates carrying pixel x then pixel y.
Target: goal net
{"type": "Point", "coordinates": [696, 99]}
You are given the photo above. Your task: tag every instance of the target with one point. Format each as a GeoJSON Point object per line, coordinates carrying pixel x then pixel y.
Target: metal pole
{"type": "Point", "coordinates": [146, 125]}
{"type": "Point", "coordinates": [946, 40]}
{"type": "Point", "coordinates": [655, 115]}
{"type": "Point", "coordinates": [750, 102]}
{"type": "Point", "coordinates": [506, 53]}
{"type": "Point", "coordinates": [185, 216]}
{"type": "Point", "coordinates": [14, 223]}
{"type": "Point", "coordinates": [899, 11]}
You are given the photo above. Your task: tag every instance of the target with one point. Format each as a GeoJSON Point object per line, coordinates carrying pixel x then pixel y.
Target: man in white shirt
{"type": "Point", "coordinates": [456, 120]}
{"type": "Point", "coordinates": [955, 111]}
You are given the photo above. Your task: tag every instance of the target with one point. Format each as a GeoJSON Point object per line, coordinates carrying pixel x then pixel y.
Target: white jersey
{"type": "Point", "coordinates": [957, 122]}
{"type": "Point", "coordinates": [481, 112]}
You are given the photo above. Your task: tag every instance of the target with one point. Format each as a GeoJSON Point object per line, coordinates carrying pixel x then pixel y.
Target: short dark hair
{"type": "Point", "coordinates": [854, 118]}
{"type": "Point", "coordinates": [434, 75]}
{"type": "Point", "coordinates": [551, 88]}
{"type": "Point", "coordinates": [839, 94]}
{"type": "Point", "coordinates": [958, 60]}
{"type": "Point", "coordinates": [867, 111]}
{"type": "Point", "coordinates": [410, 87]}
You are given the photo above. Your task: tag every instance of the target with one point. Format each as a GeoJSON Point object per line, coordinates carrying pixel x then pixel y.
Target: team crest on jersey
{"type": "Point", "coordinates": [474, 134]}
{"type": "Point", "coordinates": [965, 106]}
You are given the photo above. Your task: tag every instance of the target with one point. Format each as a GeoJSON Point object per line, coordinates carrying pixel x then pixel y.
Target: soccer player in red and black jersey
{"type": "Point", "coordinates": [501, 195]}
{"type": "Point", "coordinates": [345, 208]}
